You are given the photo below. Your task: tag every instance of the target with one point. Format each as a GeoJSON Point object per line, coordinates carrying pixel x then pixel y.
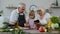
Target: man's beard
{"type": "Point", "coordinates": [21, 12]}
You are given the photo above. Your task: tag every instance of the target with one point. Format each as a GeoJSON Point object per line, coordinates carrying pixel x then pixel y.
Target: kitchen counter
{"type": "Point", "coordinates": [33, 32]}
{"type": "Point", "coordinates": [37, 32]}
{"type": "Point", "coordinates": [5, 33]}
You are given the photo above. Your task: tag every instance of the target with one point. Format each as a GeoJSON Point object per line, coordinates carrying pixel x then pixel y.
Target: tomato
{"type": "Point", "coordinates": [42, 29]}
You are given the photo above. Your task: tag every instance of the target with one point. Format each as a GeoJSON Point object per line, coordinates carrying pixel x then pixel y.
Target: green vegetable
{"type": "Point", "coordinates": [6, 30]}
{"type": "Point", "coordinates": [55, 19]}
{"type": "Point", "coordinates": [19, 31]}
{"type": "Point", "coordinates": [1, 11]}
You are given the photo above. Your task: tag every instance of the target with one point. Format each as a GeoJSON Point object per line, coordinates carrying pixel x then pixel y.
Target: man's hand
{"type": "Point", "coordinates": [20, 27]}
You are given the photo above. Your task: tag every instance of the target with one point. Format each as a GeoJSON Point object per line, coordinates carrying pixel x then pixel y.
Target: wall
{"type": "Point", "coordinates": [40, 3]}
{"type": "Point", "coordinates": [56, 11]}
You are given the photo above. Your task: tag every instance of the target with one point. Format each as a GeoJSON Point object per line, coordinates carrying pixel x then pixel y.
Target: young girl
{"type": "Point", "coordinates": [30, 20]}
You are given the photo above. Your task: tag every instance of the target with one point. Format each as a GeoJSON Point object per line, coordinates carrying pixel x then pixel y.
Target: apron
{"type": "Point", "coordinates": [21, 20]}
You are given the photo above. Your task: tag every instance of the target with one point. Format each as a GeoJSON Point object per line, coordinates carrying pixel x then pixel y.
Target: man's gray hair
{"type": "Point", "coordinates": [21, 4]}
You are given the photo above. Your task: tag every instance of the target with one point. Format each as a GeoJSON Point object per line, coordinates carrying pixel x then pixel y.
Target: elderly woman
{"type": "Point", "coordinates": [43, 17]}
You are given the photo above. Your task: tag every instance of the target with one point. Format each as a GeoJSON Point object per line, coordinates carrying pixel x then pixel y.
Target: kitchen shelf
{"type": "Point", "coordinates": [55, 6]}
{"type": "Point", "coordinates": [11, 7]}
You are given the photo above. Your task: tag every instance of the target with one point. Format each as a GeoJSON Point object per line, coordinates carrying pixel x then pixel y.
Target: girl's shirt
{"type": "Point", "coordinates": [31, 22]}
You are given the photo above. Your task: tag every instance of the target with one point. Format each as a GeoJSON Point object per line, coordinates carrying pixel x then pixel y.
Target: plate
{"type": "Point", "coordinates": [33, 7]}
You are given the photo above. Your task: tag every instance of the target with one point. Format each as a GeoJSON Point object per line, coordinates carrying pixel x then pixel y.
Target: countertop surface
{"type": "Point", "coordinates": [37, 31]}
{"type": "Point", "coordinates": [33, 32]}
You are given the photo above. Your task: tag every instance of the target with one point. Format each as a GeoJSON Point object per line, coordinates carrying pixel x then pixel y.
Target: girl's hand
{"type": "Point", "coordinates": [26, 24]}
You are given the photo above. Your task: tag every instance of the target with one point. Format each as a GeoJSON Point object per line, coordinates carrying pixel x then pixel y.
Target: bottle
{"type": "Point", "coordinates": [16, 25]}
{"type": "Point", "coordinates": [56, 2]}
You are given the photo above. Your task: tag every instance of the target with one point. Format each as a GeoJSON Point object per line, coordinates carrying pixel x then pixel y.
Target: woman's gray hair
{"type": "Point", "coordinates": [43, 11]}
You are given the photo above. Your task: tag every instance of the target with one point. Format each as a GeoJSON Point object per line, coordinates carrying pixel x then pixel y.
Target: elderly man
{"type": "Point", "coordinates": [18, 16]}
